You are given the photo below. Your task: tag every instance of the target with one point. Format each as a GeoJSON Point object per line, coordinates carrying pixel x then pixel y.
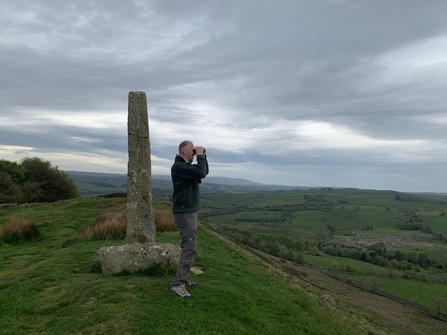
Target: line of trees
{"type": "Point", "coordinates": [411, 221]}
{"type": "Point", "coordinates": [34, 180]}
{"type": "Point", "coordinates": [277, 245]}
{"type": "Point", "coordinates": [377, 254]}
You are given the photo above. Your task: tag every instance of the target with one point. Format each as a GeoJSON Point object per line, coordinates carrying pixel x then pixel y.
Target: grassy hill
{"type": "Point", "coordinates": [47, 289]}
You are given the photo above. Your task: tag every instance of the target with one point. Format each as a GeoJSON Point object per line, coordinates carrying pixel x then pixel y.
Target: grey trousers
{"type": "Point", "coordinates": [187, 227]}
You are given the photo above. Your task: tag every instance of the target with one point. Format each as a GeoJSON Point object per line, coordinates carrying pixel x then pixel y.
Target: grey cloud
{"type": "Point", "coordinates": [257, 61]}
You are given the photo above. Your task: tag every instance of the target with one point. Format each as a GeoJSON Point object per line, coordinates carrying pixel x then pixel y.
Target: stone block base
{"type": "Point", "coordinates": [137, 257]}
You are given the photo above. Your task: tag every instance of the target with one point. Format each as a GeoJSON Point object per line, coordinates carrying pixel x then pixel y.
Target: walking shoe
{"type": "Point", "coordinates": [181, 292]}
{"type": "Point", "coordinates": [190, 283]}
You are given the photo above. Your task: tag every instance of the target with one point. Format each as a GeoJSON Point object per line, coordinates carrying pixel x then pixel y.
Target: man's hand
{"type": "Point", "coordinates": [200, 151]}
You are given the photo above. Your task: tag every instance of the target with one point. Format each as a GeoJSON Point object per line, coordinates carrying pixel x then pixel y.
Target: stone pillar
{"type": "Point", "coordinates": [139, 209]}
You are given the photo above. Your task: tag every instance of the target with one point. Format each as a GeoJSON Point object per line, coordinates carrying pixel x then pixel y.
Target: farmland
{"type": "Point", "coordinates": [384, 239]}
{"type": "Point", "coordinates": [310, 212]}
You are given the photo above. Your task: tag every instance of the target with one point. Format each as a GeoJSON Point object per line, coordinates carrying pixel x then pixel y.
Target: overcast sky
{"type": "Point", "coordinates": [309, 93]}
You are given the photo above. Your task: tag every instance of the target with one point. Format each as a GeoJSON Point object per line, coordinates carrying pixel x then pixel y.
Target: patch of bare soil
{"type": "Point", "coordinates": [393, 241]}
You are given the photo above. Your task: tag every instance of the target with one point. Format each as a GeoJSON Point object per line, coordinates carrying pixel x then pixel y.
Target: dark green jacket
{"type": "Point", "coordinates": [186, 178]}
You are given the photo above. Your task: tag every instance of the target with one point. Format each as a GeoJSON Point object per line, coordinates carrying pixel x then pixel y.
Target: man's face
{"type": "Point", "coordinates": [189, 152]}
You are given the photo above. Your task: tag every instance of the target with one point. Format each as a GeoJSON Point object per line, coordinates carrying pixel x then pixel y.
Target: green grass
{"type": "Point", "coordinates": [326, 262]}
{"type": "Point", "coordinates": [414, 290]}
{"type": "Point", "coordinates": [46, 289]}
{"type": "Point", "coordinates": [391, 281]}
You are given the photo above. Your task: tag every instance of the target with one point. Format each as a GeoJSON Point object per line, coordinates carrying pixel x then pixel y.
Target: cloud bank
{"type": "Point", "coordinates": [307, 93]}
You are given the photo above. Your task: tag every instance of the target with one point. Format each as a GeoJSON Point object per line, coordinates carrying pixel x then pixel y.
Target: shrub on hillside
{"type": "Point", "coordinates": [9, 192]}
{"type": "Point", "coordinates": [34, 180]}
{"type": "Point", "coordinates": [49, 183]}
{"type": "Point", "coordinates": [12, 175]}
{"type": "Point", "coordinates": [20, 229]}
{"type": "Point", "coordinates": [14, 169]}
{"type": "Point", "coordinates": [31, 192]}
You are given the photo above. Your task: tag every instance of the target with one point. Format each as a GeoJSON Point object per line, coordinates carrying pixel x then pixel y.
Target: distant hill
{"type": "Point", "coordinates": [93, 184]}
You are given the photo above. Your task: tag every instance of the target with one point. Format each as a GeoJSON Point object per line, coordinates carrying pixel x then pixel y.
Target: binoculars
{"type": "Point", "coordinates": [194, 150]}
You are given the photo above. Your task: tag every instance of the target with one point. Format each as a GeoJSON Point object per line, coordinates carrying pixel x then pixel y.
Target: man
{"type": "Point", "coordinates": [186, 178]}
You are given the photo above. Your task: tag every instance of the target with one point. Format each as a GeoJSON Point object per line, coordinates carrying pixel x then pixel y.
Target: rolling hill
{"type": "Point", "coordinates": [93, 184]}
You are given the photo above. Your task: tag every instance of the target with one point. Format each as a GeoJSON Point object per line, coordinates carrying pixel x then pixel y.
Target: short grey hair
{"type": "Point", "coordinates": [182, 146]}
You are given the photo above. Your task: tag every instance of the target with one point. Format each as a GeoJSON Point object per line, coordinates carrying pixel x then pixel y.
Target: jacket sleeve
{"type": "Point", "coordinates": [207, 169]}
{"type": "Point", "coordinates": [192, 171]}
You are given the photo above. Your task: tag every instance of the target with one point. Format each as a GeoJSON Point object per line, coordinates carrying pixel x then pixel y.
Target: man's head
{"type": "Point", "coordinates": [186, 150]}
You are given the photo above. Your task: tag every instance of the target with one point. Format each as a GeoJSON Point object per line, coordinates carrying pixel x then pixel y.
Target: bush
{"type": "Point", "coordinates": [20, 229]}
{"type": "Point", "coordinates": [336, 267]}
{"type": "Point", "coordinates": [50, 184]}
{"type": "Point", "coordinates": [271, 248]}
{"type": "Point", "coordinates": [407, 275]}
{"type": "Point", "coordinates": [298, 257]}
{"type": "Point", "coordinates": [15, 170]}
{"type": "Point", "coordinates": [31, 192]}
{"type": "Point", "coordinates": [9, 192]}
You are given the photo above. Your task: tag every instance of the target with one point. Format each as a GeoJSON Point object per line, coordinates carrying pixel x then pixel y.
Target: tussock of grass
{"type": "Point", "coordinates": [164, 202]}
{"type": "Point", "coordinates": [164, 220]}
{"type": "Point", "coordinates": [20, 229]}
{"type": "Point", "coordinates": [106, 226]}
{"type": "Point", "coordinates": [112, 226]}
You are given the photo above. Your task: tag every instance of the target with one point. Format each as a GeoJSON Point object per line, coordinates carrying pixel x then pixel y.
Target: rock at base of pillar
{"type": "Point", "coordinates": [137, 257]}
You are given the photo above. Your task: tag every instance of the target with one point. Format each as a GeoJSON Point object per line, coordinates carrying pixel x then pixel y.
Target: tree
{"type": "Point", "coordinates": [379, 249]}
{"type": "Point", "coordinates": [15, 170]}
{"type": "Point", "coordinates": [299, 245]}
{"type": "Point", "coordinates": [31, 191]}
{"type": "Point", "coordinates": [413, 257]}
{"type": "Point", "coordinates": [423, 260]}
{"type": "Point", "coordinates": [272, 248]}
{"type": "Point", "coordinates": [311, 243]}
{"type": "Point", "coordinates": [9, 192]}
{"type": "Point", "coordinates": [394, 263]}
{"type": "Point", "coordinates": [52, 183]}
{"type": "Point", "coordinates": [398, 256]}
{"type": "Point", "coordinates": [331, 228]}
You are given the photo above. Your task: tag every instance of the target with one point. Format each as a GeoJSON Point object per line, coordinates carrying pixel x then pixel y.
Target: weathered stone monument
{"type": "Point", "coordinates": [139, 212]}
{"type": "Point", "coordinates": [140, 251]}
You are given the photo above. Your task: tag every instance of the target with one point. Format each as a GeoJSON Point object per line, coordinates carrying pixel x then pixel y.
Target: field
{"type": "Point", "coordinates": [48, 289]}
{"type": "Point", "coordinates": [311, 211]}
{"type": "Point", "coordinates": [351, 222]}
{"type": "Point", "coordinates": [371, 214]}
